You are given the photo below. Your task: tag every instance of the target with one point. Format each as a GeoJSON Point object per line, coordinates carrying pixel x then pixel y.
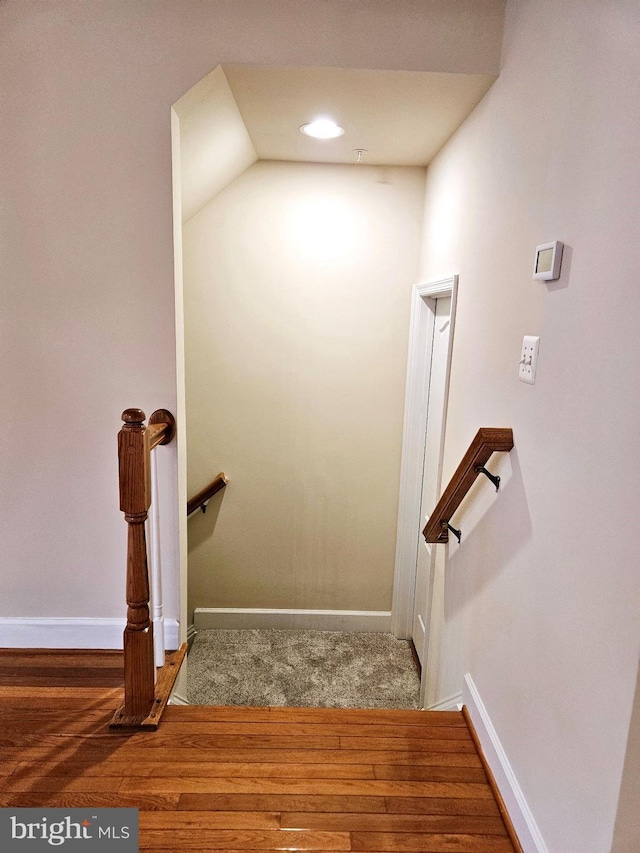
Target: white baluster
{"type": "Point", "coordinates": [155, 568]}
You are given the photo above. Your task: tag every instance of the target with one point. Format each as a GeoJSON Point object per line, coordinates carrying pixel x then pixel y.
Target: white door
{"type": "Point", "coordinates": [433, 420]}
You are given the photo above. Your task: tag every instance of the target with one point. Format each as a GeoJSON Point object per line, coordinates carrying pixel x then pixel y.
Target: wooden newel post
{"type": "Point", "coordinates": [135, 500]}
{"type": "Point", "coordinates": [145, 697]}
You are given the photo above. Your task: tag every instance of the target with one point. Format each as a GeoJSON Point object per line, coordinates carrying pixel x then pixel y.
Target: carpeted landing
{"type": "Point", "coordinates": [326, 669]}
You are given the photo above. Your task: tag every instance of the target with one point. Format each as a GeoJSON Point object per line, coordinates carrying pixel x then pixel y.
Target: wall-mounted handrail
{"type": "Point", "coordinates": [487, 441]}
{"type": "Point", "coordinates": [200, 500]}
{"type": "Point", "coordinates": [144, 699]}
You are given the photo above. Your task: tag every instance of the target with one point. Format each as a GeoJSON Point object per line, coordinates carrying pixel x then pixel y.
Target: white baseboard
{"type": "Point", "coordinates": [171, 634]}
{"type": "Point", "coordinates": [301, 620]}
{"type": "Point", "coordinates": [521, 817]}
{"type": "Point", "coordinates": [72, 633]}
{"type": "Point", "coordinates": [452, 703]}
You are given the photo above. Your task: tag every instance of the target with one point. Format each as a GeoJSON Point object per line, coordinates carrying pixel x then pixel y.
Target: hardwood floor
{"type": "Point", "coordinates": [243, 779]}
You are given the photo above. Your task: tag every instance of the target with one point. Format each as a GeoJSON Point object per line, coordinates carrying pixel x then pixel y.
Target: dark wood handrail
{"type": "Point", "coordinates": [207, 493]}
{"type": "Point", "coordinates": [488, 440]}
{"type": "Point", "coordinates": [161, 428]}
{"type": "Point", "coordinates": [144, 697]}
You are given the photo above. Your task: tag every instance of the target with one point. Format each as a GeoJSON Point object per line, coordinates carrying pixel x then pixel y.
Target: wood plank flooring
{"type": "Point", "coordinates": [242, 779]}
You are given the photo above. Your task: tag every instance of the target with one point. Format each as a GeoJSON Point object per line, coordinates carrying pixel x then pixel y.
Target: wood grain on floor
{"type": "Point", "coordinates": [242, 779]}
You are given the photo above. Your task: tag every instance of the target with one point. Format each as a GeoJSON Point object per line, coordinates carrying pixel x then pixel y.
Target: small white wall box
{"type": "Point", "coordinates": [546, 266]}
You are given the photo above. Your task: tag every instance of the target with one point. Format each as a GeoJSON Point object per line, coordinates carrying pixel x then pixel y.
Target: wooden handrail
{"type": "Point", "coordinates": [144, 700]}
{"type": "Point", "coordinates": [200, 500]}
{"type": "Point", "coordinates": [488, 440]}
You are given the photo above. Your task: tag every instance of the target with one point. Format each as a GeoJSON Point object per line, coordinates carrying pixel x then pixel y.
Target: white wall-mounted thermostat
{"type": "Point", "coordinates": [546, 266]}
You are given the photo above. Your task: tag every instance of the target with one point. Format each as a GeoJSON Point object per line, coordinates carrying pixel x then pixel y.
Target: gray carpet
{"type": "Point", "coordinates": [302, 668]}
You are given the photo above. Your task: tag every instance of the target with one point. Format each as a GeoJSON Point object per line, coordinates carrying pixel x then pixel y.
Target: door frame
{"type": "Point", "coordinates": [413, 446]}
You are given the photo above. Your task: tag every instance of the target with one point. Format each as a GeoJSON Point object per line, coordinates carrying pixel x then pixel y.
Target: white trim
{"type": "Point", "coordinates": [177, 699]}
{"type": "Point", "coordinates": [191, 633]}
{"type": "Point", "coordinates": [181, 409]}
{"type": "Point", "coordinates": [155, 567]}
{"type": "Point", "coordinates": [416, 398]}
{"type": "Point", "coordinates": [452, 703]}
{"type": "Point", "coordinates": [310, 620]}
{"type": "Point", "coordinates": [171, 634]}
{"type": "Point", "coordinates": [71, 633]}
{"type": "Point", "coordinates": [521, 817]}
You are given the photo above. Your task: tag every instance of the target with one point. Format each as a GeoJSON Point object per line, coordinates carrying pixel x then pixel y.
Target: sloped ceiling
{"type": "Point", "coordinates": [241, 113]}
{"type": "Point", "coordinates": [402, 118]}
{"type": "Point", "coordinates": [215, 146]}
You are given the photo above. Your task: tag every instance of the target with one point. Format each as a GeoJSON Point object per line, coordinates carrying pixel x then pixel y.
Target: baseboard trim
{"type": "Point", "coordinates": [524, 824]}
{"type": "Point", "coordinates": [72, 633]}
{"type": "Point", "coordinates": [172, 634]}
{"type": "Point", "coordinates": [452, 703]}
{"type": "Point", "coordinates": [378, 621]}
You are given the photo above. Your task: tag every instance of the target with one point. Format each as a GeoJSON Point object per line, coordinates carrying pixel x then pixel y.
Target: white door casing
{"type": "Point", "coordinates": [432, 418]}
{"type": "Point", "coordinates": [410, 523]}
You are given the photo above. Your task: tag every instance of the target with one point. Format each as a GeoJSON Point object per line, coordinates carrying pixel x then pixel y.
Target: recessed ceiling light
{"type": "Point", "coordinates": [322, 128]}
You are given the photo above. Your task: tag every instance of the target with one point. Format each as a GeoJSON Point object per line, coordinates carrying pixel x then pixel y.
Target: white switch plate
{"type": "Point", "coordinates": [529, 359]}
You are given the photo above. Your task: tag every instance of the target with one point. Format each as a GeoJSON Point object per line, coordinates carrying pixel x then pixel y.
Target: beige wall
{"type": "Point", "coordinates": [627, 827]}
{"type": "Point", "coordinates": [297, 291]}
{"type": "Point", "coordinates": [87, 274]}
{"type": "Point", "coordinates": [541, 603]}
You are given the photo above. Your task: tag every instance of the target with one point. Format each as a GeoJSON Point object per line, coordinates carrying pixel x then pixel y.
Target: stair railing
{"type": "Point", "coordinates": [203, 497]}
{"type": "Point", "coordinates": [144, 696]}
{"type": "Point", "coordinates": [487, 441]}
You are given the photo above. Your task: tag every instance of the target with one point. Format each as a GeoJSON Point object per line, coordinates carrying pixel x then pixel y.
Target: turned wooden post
{"type": "Point", "coordinates": [135, 500]}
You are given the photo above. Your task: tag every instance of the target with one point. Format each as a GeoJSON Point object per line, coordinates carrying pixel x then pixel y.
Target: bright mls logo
{"type": "Point", "coordinates": [70, 829]}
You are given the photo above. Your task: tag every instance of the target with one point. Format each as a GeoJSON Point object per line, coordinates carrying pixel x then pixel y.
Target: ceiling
{"type": "Point", "coordinates": [238, 114]}
{"type": "Point", "coordinates": [402, 118]}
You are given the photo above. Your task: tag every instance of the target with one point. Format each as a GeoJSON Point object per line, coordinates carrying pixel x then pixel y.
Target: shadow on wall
{"type": "Point", "coordinates": [627, 826]}
{"type": "Point", "coordinates": [202, 525]}
{"type": "Point", "coordinates": [495, 535]}
{"type": "Point", "coordinates": [201, 529]}
{"type": "Point", "coordinates": [565, 276]}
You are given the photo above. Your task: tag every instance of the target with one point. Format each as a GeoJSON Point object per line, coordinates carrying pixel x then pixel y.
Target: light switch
{"type": "Point", "coordinates": [529, 359]}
